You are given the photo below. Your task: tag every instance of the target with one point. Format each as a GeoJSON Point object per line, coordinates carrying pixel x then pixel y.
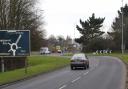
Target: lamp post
{"type": "Point", "coordinates": [122, 45]}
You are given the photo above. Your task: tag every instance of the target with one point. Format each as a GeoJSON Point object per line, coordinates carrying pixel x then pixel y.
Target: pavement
{"type": "Point", "coordinates": [104, 73]}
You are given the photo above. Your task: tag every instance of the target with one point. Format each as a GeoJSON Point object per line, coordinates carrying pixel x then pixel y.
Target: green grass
{"type": "Point", "coordinates": [123, 57]}
{"type": "Point", "coordinates": [37, 65]}
{"type": "Point", "coordinates": [68, 54]}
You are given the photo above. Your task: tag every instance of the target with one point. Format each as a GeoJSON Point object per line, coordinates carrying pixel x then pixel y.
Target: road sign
{"type": "Point", "coordinates": [14, 43]}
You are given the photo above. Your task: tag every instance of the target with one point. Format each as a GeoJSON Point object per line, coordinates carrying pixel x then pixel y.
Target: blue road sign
{"type": "Point", "coordinates": [14, 43]}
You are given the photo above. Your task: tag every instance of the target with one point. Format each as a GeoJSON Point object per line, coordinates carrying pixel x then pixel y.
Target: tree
{"type": "Point", "coordinates": [61, 41]}
{"type": "Point", "coordinates": [67, 44]}
{"type": "Point", "coordinates": [90, 29]}
{"type": "Point", "coordinates": [52, 43]}
{"type": "Point", "coordinates": [68, 41]}
{"type": "Point", "coordinates": [20, 15]}
{"type": "Point", "coordinates": [116, 31]}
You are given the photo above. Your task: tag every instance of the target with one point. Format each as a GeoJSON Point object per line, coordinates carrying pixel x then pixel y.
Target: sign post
{"type": "Point", "coordinates": [26, 66]}
{"type": "Point", "coordinates": [2, 64]}
{"type": "Point", "coordinates": [14, 43]}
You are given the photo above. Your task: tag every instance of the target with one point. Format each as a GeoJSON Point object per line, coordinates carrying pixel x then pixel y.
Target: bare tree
{"type": "Point", "coordinates": [22, 15]}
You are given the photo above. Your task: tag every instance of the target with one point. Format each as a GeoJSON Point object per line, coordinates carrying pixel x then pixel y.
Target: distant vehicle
{"type": "Point", "coordinates": [44, 50]}
{"type": "Point", "coordinates": [79, 60]}
{"type": "Point", "coordinates": [59, 51]}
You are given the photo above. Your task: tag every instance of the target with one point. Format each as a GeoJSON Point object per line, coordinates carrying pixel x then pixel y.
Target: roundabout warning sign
{"type": "Point", "coordinates": [14, 43]}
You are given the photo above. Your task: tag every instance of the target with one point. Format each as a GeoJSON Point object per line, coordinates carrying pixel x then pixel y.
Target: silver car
{"type": "Point", "coordinates": [79, 60]}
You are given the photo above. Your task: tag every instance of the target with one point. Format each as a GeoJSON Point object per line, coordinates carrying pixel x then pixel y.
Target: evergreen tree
{"type": "Point", "coordinates": [89, 30]}
{"type": "Point", "coordinates": [117, 28]}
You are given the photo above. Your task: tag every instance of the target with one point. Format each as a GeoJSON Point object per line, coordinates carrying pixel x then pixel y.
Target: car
{"type": "Point", "coordinates": [44, 50]}
{"type": "Point", "coordinates": [59, 51]}
{"type": "Point", "coordinates": [79, 60]}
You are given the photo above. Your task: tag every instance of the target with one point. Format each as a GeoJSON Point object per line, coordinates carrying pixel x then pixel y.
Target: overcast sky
{"type": "Point", "coordinates": [61, 16]}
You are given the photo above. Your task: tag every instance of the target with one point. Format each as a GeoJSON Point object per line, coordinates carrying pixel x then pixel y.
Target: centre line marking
{"type": "Point", "coordinates": [76, 79]}
{"type": "Point", "coordinates": [63, 86]}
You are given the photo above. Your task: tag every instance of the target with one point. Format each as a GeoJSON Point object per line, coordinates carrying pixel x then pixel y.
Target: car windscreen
{"type": "Point", "coordinates": [42, 49]}
{"type": "Point", "coordinates": [76, 57]}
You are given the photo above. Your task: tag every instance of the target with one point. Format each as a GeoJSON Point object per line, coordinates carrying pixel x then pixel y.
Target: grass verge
{"type": "Point", "coordinates": [123, 57]}
{"type": "Point", "coordinates": [37, 65]}
{"type": "Point", "coordinates": [68, 54]}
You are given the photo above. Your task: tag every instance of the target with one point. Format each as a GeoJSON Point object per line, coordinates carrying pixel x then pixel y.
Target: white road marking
{"type": "Point", "coordinates": [63, 86]}
{"type": "Point", "coordinates": [75, 79]}
{"type": "Point", "coordinates": [86, 73]}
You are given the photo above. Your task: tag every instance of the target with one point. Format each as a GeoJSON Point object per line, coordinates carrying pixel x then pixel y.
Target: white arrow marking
{"type": "Point", "coordinates": [18, 39]}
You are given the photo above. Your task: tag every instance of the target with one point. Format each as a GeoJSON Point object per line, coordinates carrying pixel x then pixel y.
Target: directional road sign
{"type": "Point", "coordinates": [14, 43]}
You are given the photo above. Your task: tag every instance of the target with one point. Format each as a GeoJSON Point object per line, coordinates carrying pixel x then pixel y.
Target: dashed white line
{"type": "Point", "coordinates": [63, 86]}
{"type": "Point", "coordinates": [75, 79]}
{"type": "Point", "coordinates": [86, 73]}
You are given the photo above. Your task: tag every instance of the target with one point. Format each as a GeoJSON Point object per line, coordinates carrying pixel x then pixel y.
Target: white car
{"type": "Point", "coordinates": [79, 60]}
{"type": "Point", "coordinates": [44, 50]}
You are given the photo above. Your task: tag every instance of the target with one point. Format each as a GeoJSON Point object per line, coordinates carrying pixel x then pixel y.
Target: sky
{"type": "Point", "coordinates": [62, 16]}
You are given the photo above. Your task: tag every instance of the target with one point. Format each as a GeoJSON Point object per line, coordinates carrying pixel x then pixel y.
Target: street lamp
{"type": "Point", "coordinates": [122, 45]}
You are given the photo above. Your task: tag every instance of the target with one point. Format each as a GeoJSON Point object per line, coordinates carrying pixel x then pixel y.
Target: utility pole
{"type": "Point", "coordinates": [122, 45]}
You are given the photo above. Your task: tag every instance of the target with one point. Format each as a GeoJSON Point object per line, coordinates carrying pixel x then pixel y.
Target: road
{"type": "Point", "coordinates": [104, 73]}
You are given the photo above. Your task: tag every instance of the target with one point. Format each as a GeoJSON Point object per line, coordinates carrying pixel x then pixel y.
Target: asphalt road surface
{"type": "Point", "coordinates": [104, 73]}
